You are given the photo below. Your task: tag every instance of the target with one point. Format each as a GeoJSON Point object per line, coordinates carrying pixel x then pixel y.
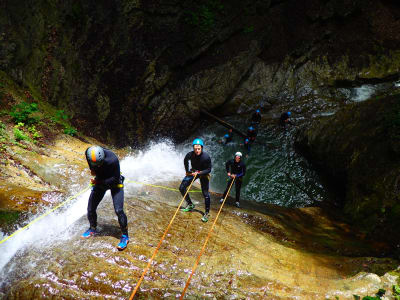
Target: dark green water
{"type": "Point", "coordinates": [276, 174]}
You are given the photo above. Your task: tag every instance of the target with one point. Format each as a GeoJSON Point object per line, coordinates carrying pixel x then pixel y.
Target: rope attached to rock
{"type": "Point", "coordinates": [75, 196]}
{"type": "Point", "coordinates": [160, 242]}
{"type": "Point", "coordinates": [44, 215]}
{"type": "Point", "coordinates": [205, 243]}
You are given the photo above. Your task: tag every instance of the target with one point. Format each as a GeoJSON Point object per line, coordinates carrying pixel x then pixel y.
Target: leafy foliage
{"type": "Point", "coordinates": [60, 116]}
{"type": "Point", "coordinates": [22, 113]}
{"type": "Point", "coordinates": [205, 16]}
{"type": "Point", "coordinates": [377, 296]}
{"type": "Point", "coordinates": [70, 130]}
{"type": "Point", "coordinates": [19, 134]}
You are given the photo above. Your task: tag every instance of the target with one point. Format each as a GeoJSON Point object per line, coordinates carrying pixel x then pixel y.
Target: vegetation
{"type": "Point", "coordinates": [205, 16]}
{"type": "Point", "coordinates": [19, 134]}
{"type": "Point", "coordinates": [8, 217]}
{"type": "Point", "coordinates": [380, 294]}
{"type": "Point", "coordinates": [22, 113]}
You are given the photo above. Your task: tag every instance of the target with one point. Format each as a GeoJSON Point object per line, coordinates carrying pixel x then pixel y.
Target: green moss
{"type": "Point", "coordinates": [8, 217]}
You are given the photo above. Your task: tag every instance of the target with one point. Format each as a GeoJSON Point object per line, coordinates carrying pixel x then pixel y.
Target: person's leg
{"type": "Point", "coordinates": [227, 187]}
{"type": "Point", "coordinates": [205, 183]}
{"type": "Point", "coordinates": [183, 187]}
{"type": "Point", "coordinates": [238, 185]}
{"type": "Point", "coordinates": [118, 201]}
{"type": "Point", "coordinates": [95, 197]}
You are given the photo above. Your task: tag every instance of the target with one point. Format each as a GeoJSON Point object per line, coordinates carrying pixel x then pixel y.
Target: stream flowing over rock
{"type": "Point", "coordinates": [259, 251]}
{"type": "Point", "coordinates": [131, 73]}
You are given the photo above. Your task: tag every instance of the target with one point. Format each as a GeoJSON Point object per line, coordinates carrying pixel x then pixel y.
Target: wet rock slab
{"type": "Point", "coordinates": [256, 252]}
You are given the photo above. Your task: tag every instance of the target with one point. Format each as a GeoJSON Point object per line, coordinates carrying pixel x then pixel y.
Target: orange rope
{"type": "Point", "coordinates": [205, 243]}
{"type": "Point", "coordinates": [159, 244]}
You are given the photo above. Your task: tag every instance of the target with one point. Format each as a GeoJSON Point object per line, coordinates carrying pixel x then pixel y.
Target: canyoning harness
{"type": "Point", "coordinates": [119, 185]}
{"type": "Point", "coordinates": [237, 168]}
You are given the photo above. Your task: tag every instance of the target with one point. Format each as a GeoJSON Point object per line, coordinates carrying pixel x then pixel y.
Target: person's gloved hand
{"type": "Point", "coordinates": [93, 181]}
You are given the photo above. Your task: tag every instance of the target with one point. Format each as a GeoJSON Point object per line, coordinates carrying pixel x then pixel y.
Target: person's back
{"type": "Point", "coordinates": [109, 171]}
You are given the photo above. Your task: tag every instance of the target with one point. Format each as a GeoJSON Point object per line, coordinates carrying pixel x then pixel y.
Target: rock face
{"type": "Point", "coordinates": [129, 70]}
{"type": "Point", "coordinates": [358, 148]}
{"type": "Point", "coordinates": [254, 252]}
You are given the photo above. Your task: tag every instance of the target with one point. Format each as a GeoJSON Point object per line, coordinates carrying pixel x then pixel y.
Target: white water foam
{"type": "Point", "coordinates": [363, 92]}
{"type": "Point", "coordinates": [160, 162]}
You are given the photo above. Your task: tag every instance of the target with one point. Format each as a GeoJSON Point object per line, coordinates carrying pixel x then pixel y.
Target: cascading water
{"type": "Point", "coordinates": [160, 162]}
{"type": "Point", "coordinates": [275, 174]}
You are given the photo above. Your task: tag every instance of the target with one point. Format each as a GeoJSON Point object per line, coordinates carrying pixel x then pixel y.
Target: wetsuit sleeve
{"type": "Point", "coordinates": [186, 161]}
{"type": "Point", "coordinates": [115, 171]}
{"type": "Point", "coordinates": [227, 165]}
{"type": "Point", "coordinates": [207, 170]}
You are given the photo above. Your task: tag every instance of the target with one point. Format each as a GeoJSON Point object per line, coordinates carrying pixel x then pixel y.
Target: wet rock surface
{"type": "Point", "coordinates": [357, 149]}
{"type": "Point", "coordinates": [255, 251]}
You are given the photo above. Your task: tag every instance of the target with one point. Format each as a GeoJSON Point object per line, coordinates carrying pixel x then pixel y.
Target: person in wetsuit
{"type": "Point", "coordinates": [200, 168]}
{"type": "Point", "coordinates": [235, 169]}
{"type": "Point", "coordinates": [228, 137]}
{"type": "Point", "coordinates": [247, 145]}
{"type": "Point", "coordinates": [255, 119]}
{"type": "Point", "coordinates": [251, 134]}
{"type": "Point", "coordinates": [104, 165]}
{"type": "Point", "coordinates": [285, 119]}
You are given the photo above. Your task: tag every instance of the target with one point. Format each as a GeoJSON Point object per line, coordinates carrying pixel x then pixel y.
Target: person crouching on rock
{"type": "Point", "coordinates": [201, 168]}
{"type": "Point", "coordinates": [104, 165]}
{"type": "Point", "coordinates": [235, 168]}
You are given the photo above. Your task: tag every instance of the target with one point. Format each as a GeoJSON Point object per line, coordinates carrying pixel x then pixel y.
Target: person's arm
{"type": "Point", "coordinates": [227, 165]}
{"type": "Point", "coordinates": [208, 166]}
{"type": "Point", "coordinates": [186, 162]}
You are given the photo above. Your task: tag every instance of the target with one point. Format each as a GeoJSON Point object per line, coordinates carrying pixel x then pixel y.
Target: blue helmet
{"type": "Point", "coordinates": [251, 128]}
{"type": "Point", "coordinates": [289, 113]}
{"type": "Point", "coordinates": [258, 111]}
{"type": "Point", "coordinates": [198, 142]}
{"type": "Point", "coordinates": [246, 140]}
{"type": "Point", "coordinates": [226, 135]}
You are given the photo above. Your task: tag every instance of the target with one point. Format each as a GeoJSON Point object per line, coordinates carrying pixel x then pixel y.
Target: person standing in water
{"type": "Point", "coordinates": [200, 168]}
{"type": "Point", "coordinates": [255, 119]}
{"type": "Point", "coordinates": [285, 119]}
{"type": "Point", "coordinates": [104, 165]}
{"type": "Point", "coordinates": [228, 137]}
{"type": "Point", "coordinates": [236, 169]}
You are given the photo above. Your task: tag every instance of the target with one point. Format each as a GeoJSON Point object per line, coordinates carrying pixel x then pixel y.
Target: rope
{"type": "Point", "coordinates": [205, 243]}
{"type": "Point", "coordinates": [159, 243]}
{"type": "Point", "coordinates": [159, 186]}
{"type": "Point", "coordinates": [75, 196]}
{"type": "Point", "coordinates": [45, 214]}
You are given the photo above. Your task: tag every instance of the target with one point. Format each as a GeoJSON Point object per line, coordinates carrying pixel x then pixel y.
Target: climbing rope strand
{"type": "Point", "coordinates": [205, 243]}
{"type": "Point", "coordinates": [75, 196]}
{"type": "Point", "coordinates": [160, 242]}
{"type": "Point", "coordinates": [159, 186]}
{"type": "Point", "coordinates": [44, 215]}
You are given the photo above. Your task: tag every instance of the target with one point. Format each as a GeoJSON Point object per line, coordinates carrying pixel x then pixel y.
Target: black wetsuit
{"type": "Point", "coordinates": [247, 146]}
{"type": "Point", "coordinates": [252, 134]}
{"type": "Point", "coordinates": [108, 177]}
{"type": "Point", "coordinates": [284, 119]}
{"type": "Point", "coordinates": [255, 119]}
{"type": "Point", "coordinates": [229, 138]}
{"type": "Point", "coordinates": [200, 163]}
{"type": "Point", "coordinates": [239, 169]}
